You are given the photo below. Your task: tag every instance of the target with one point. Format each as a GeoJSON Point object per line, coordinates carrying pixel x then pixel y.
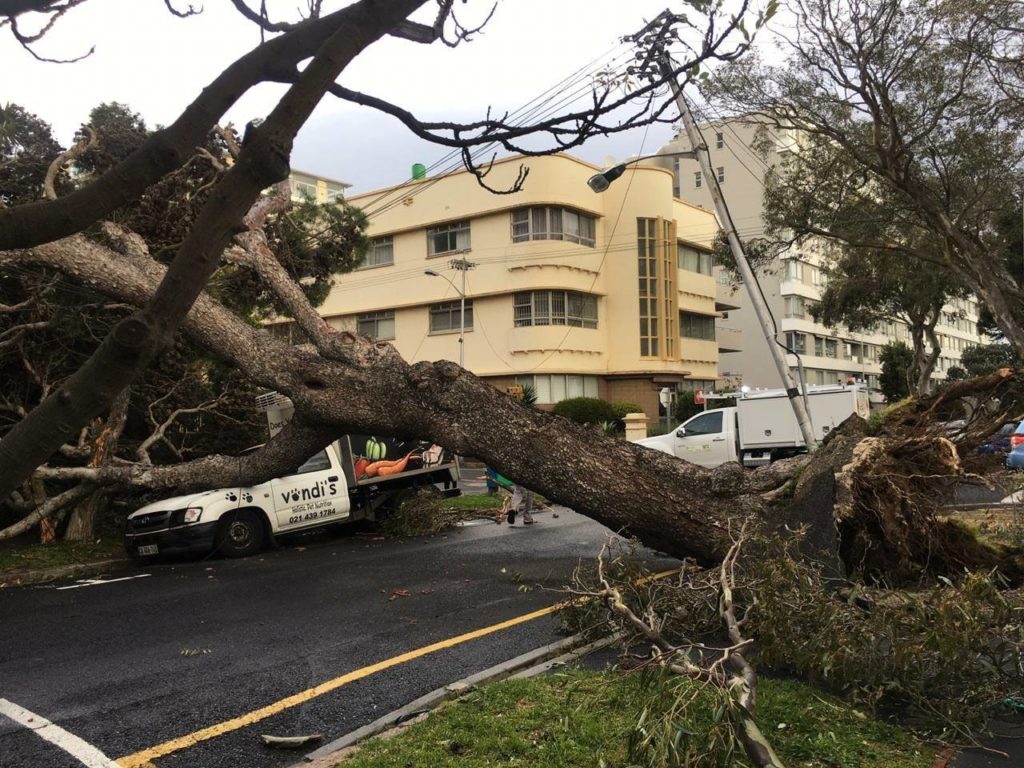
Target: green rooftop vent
{"type": "Point", "coordinates": [419, 171]}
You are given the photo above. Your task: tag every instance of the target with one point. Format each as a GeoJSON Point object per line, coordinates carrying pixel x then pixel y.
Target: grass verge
{"type": "Point", "coordinates": [18, 558]}
{"type": "Point", "coordinates": [476, 502]}
{"type": "Point", "coordinates": [582, 718]}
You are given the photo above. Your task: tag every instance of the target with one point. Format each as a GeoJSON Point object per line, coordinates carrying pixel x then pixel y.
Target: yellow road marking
{"type": "Point", "coordinates": [143, 759]}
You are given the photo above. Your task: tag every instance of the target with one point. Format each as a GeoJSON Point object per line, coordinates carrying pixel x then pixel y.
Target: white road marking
{"type": "Point", "coordinates": [82, 751]}
{"type": "Point", "coordinates": [99, 582]}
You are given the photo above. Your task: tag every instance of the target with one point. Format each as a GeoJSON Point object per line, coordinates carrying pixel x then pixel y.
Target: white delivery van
{"type": "Point", "coordinates": [760, 428]}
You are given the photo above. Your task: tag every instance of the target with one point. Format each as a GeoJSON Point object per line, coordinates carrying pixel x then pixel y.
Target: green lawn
{"type": "Point", "coordinates": [18, 557]}
{"type": "Point", "coordinates": [474, 502]}
{"type": "Point", "coordinates": [585, 719]}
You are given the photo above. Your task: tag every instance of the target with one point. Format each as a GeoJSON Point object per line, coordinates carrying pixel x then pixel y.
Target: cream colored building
{"type": "Point", "coordinates": [316, 188]}
{"type": "Point", "coordinates": [795, 281]}
{"type": "Point", "coordinates": [575, 293]}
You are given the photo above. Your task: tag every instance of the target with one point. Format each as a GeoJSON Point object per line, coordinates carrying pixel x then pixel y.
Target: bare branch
{"type": "Point", "coordinates": [86, 143]}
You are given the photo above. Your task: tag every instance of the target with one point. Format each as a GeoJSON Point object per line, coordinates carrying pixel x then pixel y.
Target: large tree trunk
{"type": "Point", "coordinates": [82, 523]}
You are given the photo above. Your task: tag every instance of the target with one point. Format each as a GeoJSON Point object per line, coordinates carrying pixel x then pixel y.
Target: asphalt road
{"type": "Point", "coordinates": [128, 665]}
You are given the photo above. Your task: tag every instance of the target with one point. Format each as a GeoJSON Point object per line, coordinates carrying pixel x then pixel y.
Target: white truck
{"type": "Point", "coordinates": [351, 479]}
{"type": "Point", "coordinates": [760, 428]}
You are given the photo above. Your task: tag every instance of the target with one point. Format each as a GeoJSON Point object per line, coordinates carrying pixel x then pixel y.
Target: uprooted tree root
{"type": "Point", "coordinates": [889, 487]}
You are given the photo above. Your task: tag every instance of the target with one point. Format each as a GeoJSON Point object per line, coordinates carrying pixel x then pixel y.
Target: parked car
{"type": "Point", "coordinates": [1015, 458]}
{"type": "Point", "coordinates": [1000, 441]}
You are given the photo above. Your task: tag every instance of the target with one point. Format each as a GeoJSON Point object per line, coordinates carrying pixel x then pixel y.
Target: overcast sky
{"type": "Point", "coordinates": [157, 63]}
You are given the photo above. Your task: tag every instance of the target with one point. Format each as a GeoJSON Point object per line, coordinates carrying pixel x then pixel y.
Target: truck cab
{"type": "Point", "coordinates": [708, 439]}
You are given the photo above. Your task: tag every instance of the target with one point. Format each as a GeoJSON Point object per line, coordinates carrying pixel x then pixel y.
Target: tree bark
{"type": "Point", "coordinates": [82, 523]}
{"type": "Point", "coordinates": [136, 340]}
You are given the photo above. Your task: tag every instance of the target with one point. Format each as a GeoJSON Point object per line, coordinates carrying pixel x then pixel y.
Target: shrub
{"type": "Point", "coordinates": [622, 407]}
{"type": "Point", "coordinates": [586, 410]}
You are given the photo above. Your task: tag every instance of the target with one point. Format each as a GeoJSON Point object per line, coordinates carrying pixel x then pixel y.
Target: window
{"type": "Point", "coordinates": [692, 326]}
{"type": "Point", "coordinates": [552, 223]}
{"type": "Point", "coordinates": [554, 308]}
{"type": "Point", "coordinates": [797, 342]}
{"type": "Point", "coordinates": [446, 317]}
{"type": "Point", "coordinates": [794, 270]}
{"type": "Point", "coordinates": [706, 424]}
{"type": "Point", "coordinates": [302, 190]}
{"type": "Point", "coordinates": [719, 140]}
{"type": "Point", "coordinates": [647, 269]}
{"type": "Point", "coordinates": [289, 333]}
{"type": "Point", "coordinates": [831, 348]}
{"type": "Point", "coordinates": [377, 325]}
{"type": "Point", "coordinates": [819, 346]}
{"type": "Point", "coordinates": [693, 260]}
{"type": "Point", "coordinates": [380, 253]}
{"type": "Point", "coordinates": [795, 306]}
{"type": "Point", "coordinates": [675, 177]}
{"type": "Point", "coordinates": [557, 387]}
{"type": "Point", "coordinates": [721, 173]}
{"type": "Point", "coordinates": [697, 181]}
{"type": "Point", "coordinates": [318, 462]}
{"type": "Point", "coordinates": [448, 238]}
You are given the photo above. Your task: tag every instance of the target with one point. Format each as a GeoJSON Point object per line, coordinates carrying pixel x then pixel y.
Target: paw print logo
{"type": "Point", "coordinates": [230, 496]}
{"type": "Point", "coordinates": [246, 497]}
{"type": "Point", "coordinates": [295, 495]}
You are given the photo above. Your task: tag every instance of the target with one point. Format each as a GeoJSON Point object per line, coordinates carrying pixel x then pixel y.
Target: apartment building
{"type": "Point", "coordinates": [308, 186]}
{"type": "Point", "coordinates": [575, 293]}
{"type": "Point", "coordinates": [795, 281]}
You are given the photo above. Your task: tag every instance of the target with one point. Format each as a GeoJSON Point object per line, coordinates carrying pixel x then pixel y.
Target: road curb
{"type": "Point", "coordinates": [44, 575]}
{"type": "Point", "coordinates": [529, 664]}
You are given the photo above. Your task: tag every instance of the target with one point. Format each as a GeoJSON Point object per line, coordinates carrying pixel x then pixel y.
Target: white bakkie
{"type": "Point", "coordinates": [760, 428]}
{"type": "Point", "coordinates": [351, 479]}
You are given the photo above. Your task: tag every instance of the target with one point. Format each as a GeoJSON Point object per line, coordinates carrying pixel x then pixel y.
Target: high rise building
{"type": "Point", "coordinates": [796, 279]}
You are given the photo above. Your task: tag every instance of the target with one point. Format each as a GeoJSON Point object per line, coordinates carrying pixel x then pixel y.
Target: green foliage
{"type": "Point", "coordinates": [529, 395]}
{"type": "Point", "coordinates": [623, 407]}
{"type": "Point", "coordinates": [119, 132]}
{"type": "Point", "coordinates": [897, 359]}
{"type": "Point", "coordinates": [586, 410]}
{"type": "Point", "coordinates": [983, 360]}
{"type": "Point", "coordinates": [941, 656]}
{"type": "Point", "coordinates": [27, 148]}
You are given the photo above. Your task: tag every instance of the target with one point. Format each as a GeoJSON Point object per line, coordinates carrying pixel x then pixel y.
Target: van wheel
{"type": "Point", "coordinates": [240, 534]}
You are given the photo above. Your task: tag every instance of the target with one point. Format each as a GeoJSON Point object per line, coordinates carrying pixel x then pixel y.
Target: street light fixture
{"type": "Point", "coordinates": [463, 266]}
{"type": "Point", "coordinates": [599, 182]}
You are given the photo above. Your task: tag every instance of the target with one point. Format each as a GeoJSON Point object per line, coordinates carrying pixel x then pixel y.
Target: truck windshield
{"type": "Point", "coordinates": [709, 423]}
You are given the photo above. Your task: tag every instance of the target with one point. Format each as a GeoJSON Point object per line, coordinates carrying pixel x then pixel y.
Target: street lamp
{"type": "Point", "coordinates": [599, 182]}
{"type": "Point", "coordinates": [463, 266]}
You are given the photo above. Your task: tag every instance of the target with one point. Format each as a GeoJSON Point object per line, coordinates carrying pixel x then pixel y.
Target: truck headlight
{"type": "Point", "coordinates": [192, 515]}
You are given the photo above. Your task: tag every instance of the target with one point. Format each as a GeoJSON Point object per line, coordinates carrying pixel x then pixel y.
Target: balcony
{"type": "Point", "coordinates": [729, 339]}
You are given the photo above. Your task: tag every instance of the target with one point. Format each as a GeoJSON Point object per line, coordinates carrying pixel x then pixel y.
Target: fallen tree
{"type": "Point", "coordinates": [342, 382]}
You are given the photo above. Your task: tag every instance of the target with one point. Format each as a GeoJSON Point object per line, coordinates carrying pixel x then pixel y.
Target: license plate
{"type": "Point", "coordinates": [148, 549]}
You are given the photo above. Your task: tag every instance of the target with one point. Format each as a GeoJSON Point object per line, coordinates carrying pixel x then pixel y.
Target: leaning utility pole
{"type": "Point", "coordinates": [764, 318]}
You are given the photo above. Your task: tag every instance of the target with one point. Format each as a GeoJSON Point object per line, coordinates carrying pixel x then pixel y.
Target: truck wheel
{"type": "Point", "coordinates": [240, 534]}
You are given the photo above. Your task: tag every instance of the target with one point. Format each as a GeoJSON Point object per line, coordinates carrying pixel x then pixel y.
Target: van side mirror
{"type": "Point", "coordinates": [681, 432]}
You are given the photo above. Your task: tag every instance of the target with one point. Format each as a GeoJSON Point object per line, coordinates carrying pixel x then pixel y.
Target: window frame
{"type": "Point", "coordinates": [451, 230]}
{"type": "Point", "coordinates": [389, 241]}
{"type": "Point", "coordinates": [553, 222]}
{"type": "Point", "coordinates": [451, 309]}
{"type": "Point", "coordinates": [552, 307]}
{"type": "Point", "coordinates": [376, 318]}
